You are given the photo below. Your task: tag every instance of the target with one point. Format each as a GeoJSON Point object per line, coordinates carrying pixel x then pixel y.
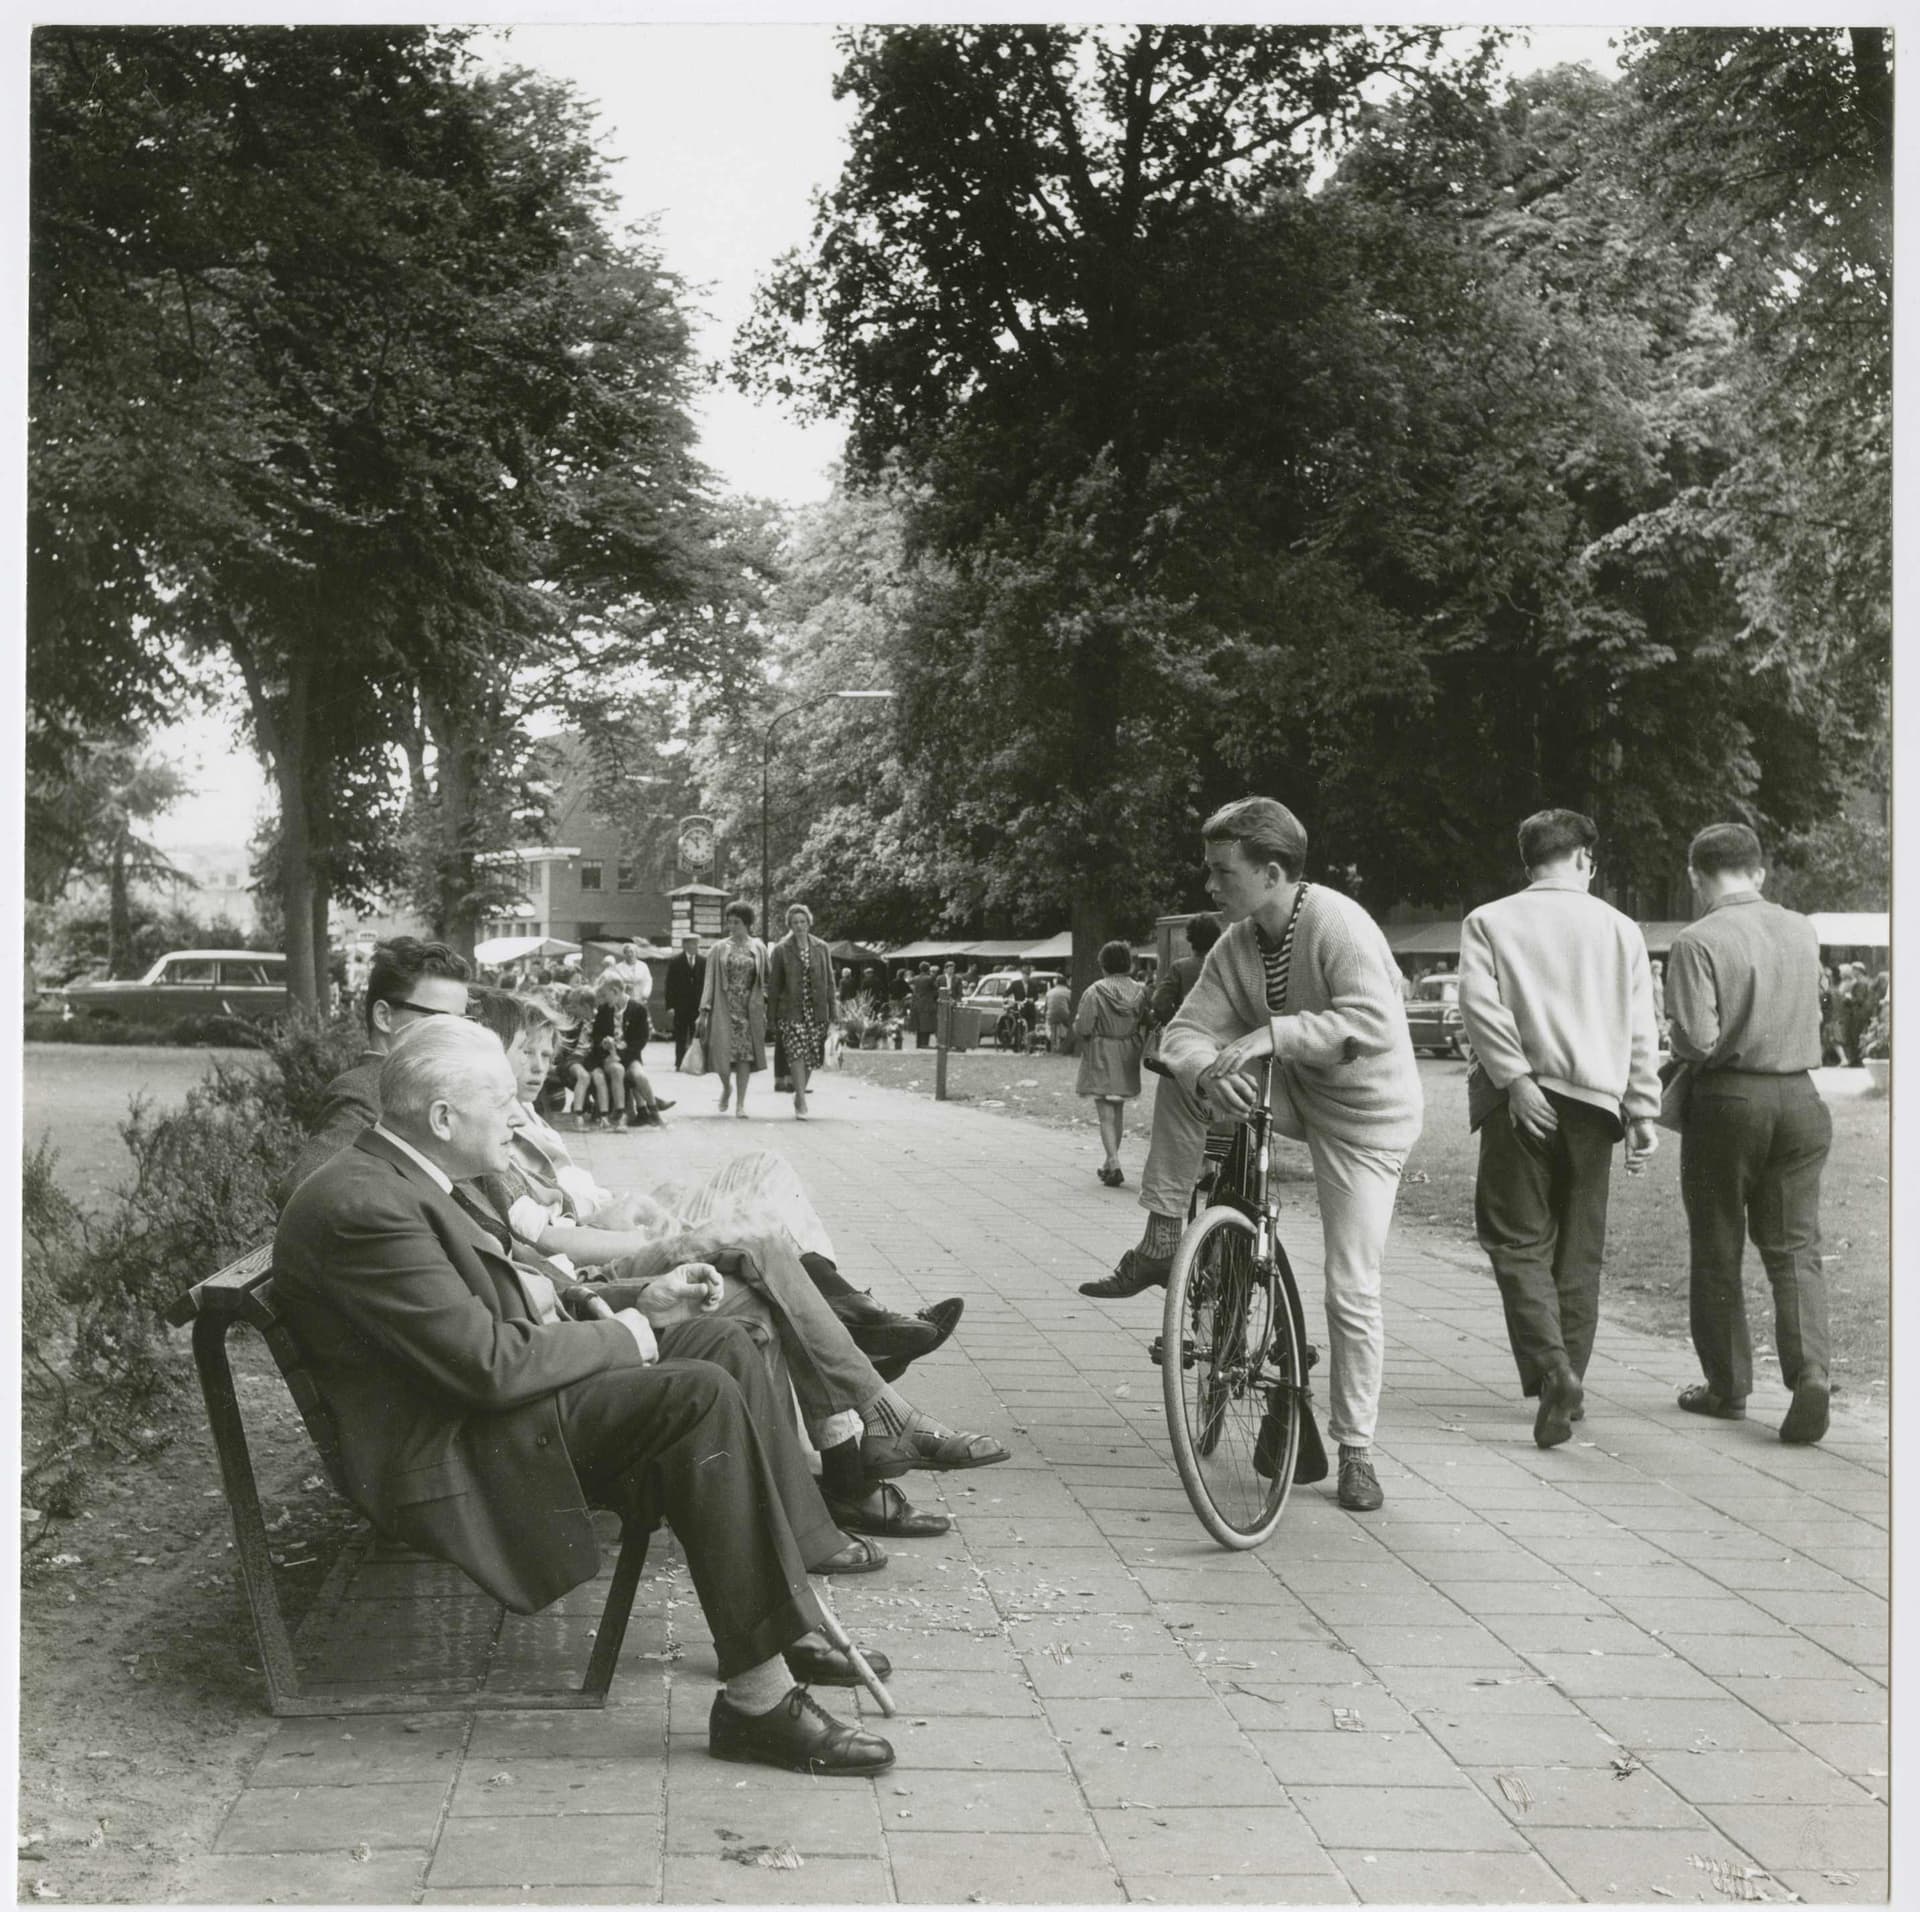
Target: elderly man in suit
{"type": "Point", "coordinates": [479, 1421]}
{"type": "Point", "coordinates": [685, 975]}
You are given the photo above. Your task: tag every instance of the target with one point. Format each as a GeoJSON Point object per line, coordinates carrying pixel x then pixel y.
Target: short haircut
{"type": "Point", "coordinates": [1203, 931]}
{"type": "Point", "coordinates": [1725, 846]}
{"type": "Point", "coordinates": [1266, 831]}
{"type": "Point", "coordinates": [510, 1016]}
{"type": "Point", "coordinates": [742, 912]}
{"type": "Point", "coordinates": [579, 1000]}
{"type": "Point", "coordinates": [1116, 957]}
{"type": "Point", "coordinates": [443, 1059]}
{"type": "Point", "coordinates": [610, 986]}
{"type": "Point", "coordinates": [401, 961]}
{"type": "Point", "coordinates": [1549, 835]}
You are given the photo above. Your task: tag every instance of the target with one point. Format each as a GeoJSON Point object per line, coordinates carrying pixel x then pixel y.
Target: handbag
{"type": "Point", "coordinates": [694, 1062]}
{"type": "Point", "coordinates": [1676, 1091]}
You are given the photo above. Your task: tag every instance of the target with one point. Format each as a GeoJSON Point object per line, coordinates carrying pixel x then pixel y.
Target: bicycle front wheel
{"type": "Point", "coordinates": [1228, 1350]}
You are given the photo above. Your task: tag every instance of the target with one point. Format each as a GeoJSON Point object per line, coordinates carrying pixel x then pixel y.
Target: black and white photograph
{"type": "Point", "coordinates": [957, 958]}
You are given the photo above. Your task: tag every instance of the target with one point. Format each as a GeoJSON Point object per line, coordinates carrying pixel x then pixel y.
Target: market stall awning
{"type": "Point", "coordinates": [1659, 936]}
{"type": "Point", "coordinates": [1056, 949]}
{"type": "Point", "coordinates": [516, 949]}
{"type": "Point", "coordinates": [1424, 939]}
{"type": "Point", "coordinates": [1002, 948]}
{"type": "Point", "coordinates": [848, 951]}
{"type": "Point", "coordinates": [928, 951]}
{"type": "Point", "coordinates": [1854, 929]}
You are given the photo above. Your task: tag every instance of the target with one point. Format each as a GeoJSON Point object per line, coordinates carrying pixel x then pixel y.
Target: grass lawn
{"type": "Point", "coordinates": [1646, 1270]}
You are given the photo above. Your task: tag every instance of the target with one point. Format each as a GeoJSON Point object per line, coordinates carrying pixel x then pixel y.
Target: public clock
{"type": "Point", "coordinates": [696, 843]}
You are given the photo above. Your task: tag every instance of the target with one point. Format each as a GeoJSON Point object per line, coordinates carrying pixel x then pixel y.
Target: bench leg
{"type": "Point", "coordinates": [612, 1632]}
{"type": "Point", "coordinates": [243, 1497]}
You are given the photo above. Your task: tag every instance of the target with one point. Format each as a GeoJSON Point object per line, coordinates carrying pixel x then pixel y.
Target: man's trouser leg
{"type": "Point", "coordinates": [830, 1375]}
{"type": "Point", "coordinates": [1783, 1214]}
{"type": "Point", "coordinates": [1727, 1138]}
{"type": "Point", "coordinates": [1583, 1181]}
{"type": "Point", "coordinates": [760, 1373]}
{"type": "Point", "coordinates": [680, 1437]}
{"type": "Point", "coordinates": [1357, 1187]}
{"type": "Point", "coordinates": [1175, 1148]}
{"type": "Point", "coordinates": [682, 1035]}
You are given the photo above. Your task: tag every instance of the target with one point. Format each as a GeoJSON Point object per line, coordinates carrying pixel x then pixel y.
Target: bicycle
{"type": "Point", "coordinates": [1237, 1396]}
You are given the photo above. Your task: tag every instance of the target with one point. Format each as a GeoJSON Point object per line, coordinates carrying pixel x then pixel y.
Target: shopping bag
{"type": "Point", "coordinates": [694, 1062]}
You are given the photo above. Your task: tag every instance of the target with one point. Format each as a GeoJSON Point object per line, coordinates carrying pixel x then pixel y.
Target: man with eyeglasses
{"type": "Point", "coordinates": [1557, 998]}
{"type": "Point", "coordinates": [408, 982]}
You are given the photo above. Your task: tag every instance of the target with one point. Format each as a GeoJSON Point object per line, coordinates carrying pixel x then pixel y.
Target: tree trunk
{"type": "Point", "coordinates": [1096, 730]}
{"type": "Point", "coordinates": [119, 910]}
{"type": "Point", "coordinates": [453, 859]}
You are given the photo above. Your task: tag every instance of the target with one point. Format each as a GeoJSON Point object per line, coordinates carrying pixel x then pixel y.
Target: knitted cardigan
{"type": "Point", "coordinates": [1345, 1061]}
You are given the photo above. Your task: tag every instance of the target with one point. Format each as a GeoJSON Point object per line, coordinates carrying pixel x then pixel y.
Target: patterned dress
{"type": "Point", "coordinates": [805, 1038]}
{"type": "Point", "coordinates": [737, 972]}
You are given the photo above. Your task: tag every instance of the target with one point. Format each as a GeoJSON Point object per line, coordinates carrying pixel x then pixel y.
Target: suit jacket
{"type": "Point", "coordinates": [683, 985]}
{"type": "Point", "coordinates": [441, 1382]}
{"type": "Point", "coordinates": [787, 977]}
{"type": "Point", "coordinates": [632, 1036]}
{"type": "Point", "coordinates": [352, 1104]}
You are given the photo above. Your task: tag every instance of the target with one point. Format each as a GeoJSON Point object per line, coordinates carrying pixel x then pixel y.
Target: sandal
{"type": "Point", "coordinates": [1701, 1399]}
{"type": "Point", "coordinates": [857, 1556]}
{"type": "Point", "coordinates": [887, 1512]}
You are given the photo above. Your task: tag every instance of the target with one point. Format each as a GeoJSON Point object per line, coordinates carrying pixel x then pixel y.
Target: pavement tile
{"type": "Point", "coordinates": [1263, 1707]}
{"type": "Point", "coordinates": [1208, 1839]}
{"type": "Point", "coordinates": [980, 1695]}
{"type": "Point", "coordinates": [1723, 1724]}
{"type": "Point", "coordinates": [693, 1879]}
{"type": "Point", "coordinates": [980, 1801]}
{"type": "Point", "coordinates": [916, 1650]}
{"type": "Point", "coordinates": [1185, 1722]}
{"type": "Point", "coordinates": [326, 1818]}
{"type": "Point", "coordinates": [1115, 1676]}
{"type": "Point", "coordinates": [1817, 1702]}
{"type": "Point", "coordinates": [307, 1878]}
{"type": "Point", "coordinates": [1485, 1598]}
{"type": "Point", "coordinates": [597, 1849]}
{"type": "Point", "coordinates": [511, 1788]}
{"type": "Point", "coordinates": [1356, 1759]}
{"type": "Point", "coordinates": [1638, 1866]}
{"type": "Point", "coordinates": [537, 1895]}
{"type": "Point", "coordinates": [1450, 1878]}
{"type": "Point", "coordinates": [1462, 1645]}
{"type": "Point", "coordinates": [1781, 1655]}
{"type": "Point", "coordinates": [1238, 1888]}
{"type": "Point", "coordinates": [1808, 1837]}
{"type": "Point", "coordinates": [955, 1744]}
{"type": "Point", "coordinates": [1463, 1692]}
{"type": "Point", "coordinates": [1711, 1777]}
{"type": "Point", "coordinates": [338, 1752]}
{"type": "Point", "coordinates": [1226, 1773]}
{"type": "Point", "coordinates": [1419, 1818]}
{"type": "Point", "coordinates": [1005, 1868]}
{"type": "Point", "coordinates": [616, 1733]}
{"type": "Point", "coordinates": [1625, 1676]}
{"type": "Point", "coordinates": [1860, 1751]}
{"type": "Point", "coordinates": [1587, 1795]}
{"type": "Point", "coordinates": [1570, 1633]}
{"type": "Point", "coordinates": [1839, 1885]}
{"type": "Point", "coordinates": [1524, 1740]}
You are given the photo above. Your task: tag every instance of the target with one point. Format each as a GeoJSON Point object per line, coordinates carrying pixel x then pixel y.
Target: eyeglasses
{"type": "Point", "coordinates": [421, 1009]}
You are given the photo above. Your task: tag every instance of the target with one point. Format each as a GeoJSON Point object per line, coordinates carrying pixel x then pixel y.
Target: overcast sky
{"type": "Point", "coordinates": [718, 135]}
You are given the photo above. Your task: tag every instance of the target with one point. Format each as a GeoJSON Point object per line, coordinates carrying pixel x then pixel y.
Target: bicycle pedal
{"type": "Point", "coordinates": [1154, 1353]}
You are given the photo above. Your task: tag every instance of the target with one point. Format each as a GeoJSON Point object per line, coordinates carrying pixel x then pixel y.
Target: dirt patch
{"type": "Point", "coordinates": [141, 1704]}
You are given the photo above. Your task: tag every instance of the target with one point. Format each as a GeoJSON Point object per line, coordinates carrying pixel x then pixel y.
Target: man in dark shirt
{"type": "Point", "coordinates": [686, 975]}
{"type": "Point", "coordinates": [1743, 992]}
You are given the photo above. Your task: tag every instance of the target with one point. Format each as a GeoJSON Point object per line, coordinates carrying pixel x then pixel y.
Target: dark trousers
{"type": "Point", "coordinates": [1540, 1210]}
{"type": "Point", "coordinates": [683, 1021]}
{"type": "Point", "coordinates": [1750, 1161]}
{"type": "Point", "coordinates": [684, 1438]}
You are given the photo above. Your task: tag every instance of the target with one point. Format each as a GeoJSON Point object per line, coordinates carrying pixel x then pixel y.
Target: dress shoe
{"type": "Point", "coordinates": [1359, 1484]}
{"type": "Point", "coordinates": [662, 1103]}
{"type": "Point", "coordinates": [891, 1337]}
{"type": "Point", "coordinates": [798, 1735]}
{"type": "Point", "coordinates": [1135, 1273]}
{"type": "Point", "coordinates": [1559, 1397]}
{"type": "Point", "coordinates": [1701, 1399]}
{"type": "Point", "coordinates": [886, 1512]}
{"type": "Point", "coordinates": [1808, 1417]}
{"type": "Point", "coordinates": [944, 1317]}
{"type": "Point", "coordinates": [923, 1443]}
{"type": "Point", "coordinates": [857, 1556]}
{"type": "Point", "coordinates": [813, 1663]}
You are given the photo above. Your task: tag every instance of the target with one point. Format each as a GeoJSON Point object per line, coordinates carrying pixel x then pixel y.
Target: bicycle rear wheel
{"type": "Point", "coordinates": [1229, 1347]}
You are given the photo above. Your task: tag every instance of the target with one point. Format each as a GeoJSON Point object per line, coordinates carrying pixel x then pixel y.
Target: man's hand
{"type": "Point", "coordinates": [1642, 1140]}
{"type": "Point", "coordinates": [1531, 1111]}
{"type": "Point", "coordinates": [1240, 1055]}
{"type": "Point", "coordinates": [1229, 1097]}
{"type": "Point", "coordinates": [696, 1288]}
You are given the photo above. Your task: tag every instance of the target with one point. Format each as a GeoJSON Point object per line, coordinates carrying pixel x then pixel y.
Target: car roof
{"type": "Point", "coordinates": [249, 955]}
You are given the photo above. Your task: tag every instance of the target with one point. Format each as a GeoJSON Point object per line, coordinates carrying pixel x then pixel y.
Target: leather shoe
{"type": "Point", "coordinates": [924, 1444]}
{"type": "Point", "coordinates": [1135, 1273]}
{"type": "Point", "coordinates": [893, 1337]}
{"type": "Point", "coordinates": [886, 1512]}
{"type": "Point", "coordinates": [798, 1735]}
{"type": "Point", "coordinates": [857, 1556]}
{"type": "Point", "coordinates": [1701, 1399]}
{"type": "Point", "coordinates": [944, 1317]}
{"type": "Point", "coordinates": [1808, 1417]}
{"type": "Point", "coordinates": [1560, 1393]}
{"type": "Point", "coordinates": [1359, 1485]}
{"type": "Point", "coordinates": [814, 1664]}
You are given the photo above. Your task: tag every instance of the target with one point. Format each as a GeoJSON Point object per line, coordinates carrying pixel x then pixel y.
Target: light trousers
{"type": "Point", "coordinates": [1357, 1187]}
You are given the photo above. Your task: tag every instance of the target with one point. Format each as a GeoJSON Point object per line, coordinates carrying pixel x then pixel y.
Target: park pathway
{"type": "Point", "coordinates": [1649, 1665]}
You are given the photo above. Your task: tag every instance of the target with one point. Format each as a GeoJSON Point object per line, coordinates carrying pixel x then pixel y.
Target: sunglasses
{"type": "Point", "coordinates": [421, 1009]}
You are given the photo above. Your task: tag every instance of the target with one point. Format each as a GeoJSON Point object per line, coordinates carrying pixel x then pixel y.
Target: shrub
{"type": "Point", "coordinates": [183, 1032]}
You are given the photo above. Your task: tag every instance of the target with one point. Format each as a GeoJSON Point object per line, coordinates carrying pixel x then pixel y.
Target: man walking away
{"type": "Point", "coordinates": [1557, 997]}
{"type": "Point", "coordinates": [1743, 990]}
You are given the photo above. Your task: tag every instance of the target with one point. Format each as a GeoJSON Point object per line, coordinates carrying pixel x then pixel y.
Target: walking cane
{"type": "Point", "coordinates": [837, 1636]}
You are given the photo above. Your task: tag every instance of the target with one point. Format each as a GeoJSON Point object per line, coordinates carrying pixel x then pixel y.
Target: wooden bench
{"type": "Point", "coordinates": [242, 1294]}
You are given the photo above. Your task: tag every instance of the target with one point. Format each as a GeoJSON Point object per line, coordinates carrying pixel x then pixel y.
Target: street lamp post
{"type": "Point", "coordinates": [766, 758]}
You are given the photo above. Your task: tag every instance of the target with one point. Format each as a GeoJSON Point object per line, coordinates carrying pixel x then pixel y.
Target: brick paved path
{"type": "Point", "coordinates": [1637, 1667]}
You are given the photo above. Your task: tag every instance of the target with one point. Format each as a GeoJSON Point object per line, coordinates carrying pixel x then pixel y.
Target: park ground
{"type": "Point", "coordinates": [1075, 1628]}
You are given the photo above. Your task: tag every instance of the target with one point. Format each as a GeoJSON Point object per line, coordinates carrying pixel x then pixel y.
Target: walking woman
{"type": "Point", "coordinates": [800, 996]}
{"type": "Point", "coordinates": [733, 1007]}
{"type": "Point", "coordinates": [1109, 1023]}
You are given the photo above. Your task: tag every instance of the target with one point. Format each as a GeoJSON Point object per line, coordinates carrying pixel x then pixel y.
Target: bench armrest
{"type": "Point", "coordinates": [225, 1293]}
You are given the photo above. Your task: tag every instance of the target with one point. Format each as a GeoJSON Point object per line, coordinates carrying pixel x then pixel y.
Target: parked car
{"type": "Point", "coordinates": [990, 992]}
{"type": "Point", "coordinates": [1434, 1020]}
{"type": "Point", "coordinates": [188, 982]}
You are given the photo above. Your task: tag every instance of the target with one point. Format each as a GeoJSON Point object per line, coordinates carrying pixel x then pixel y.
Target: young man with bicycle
{"type": "Point", "coordinates": [1304, 975]}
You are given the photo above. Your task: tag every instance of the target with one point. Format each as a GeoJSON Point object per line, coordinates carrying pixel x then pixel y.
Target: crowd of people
{"type": "Point", "coordinates": [507, 1342]}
